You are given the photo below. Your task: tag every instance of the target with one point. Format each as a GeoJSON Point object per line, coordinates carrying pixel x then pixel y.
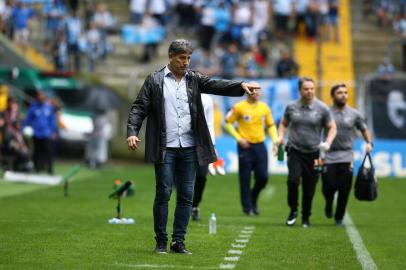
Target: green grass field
{"type": "Point", "coordinates": [40, 229]}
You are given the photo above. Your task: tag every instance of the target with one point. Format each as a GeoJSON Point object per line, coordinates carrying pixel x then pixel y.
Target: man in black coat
{"type": "Point", "coordinates": [177, 136]}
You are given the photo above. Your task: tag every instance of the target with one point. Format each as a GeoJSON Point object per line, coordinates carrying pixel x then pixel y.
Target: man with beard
{"type": "Point", "coordinates": [338, 168]}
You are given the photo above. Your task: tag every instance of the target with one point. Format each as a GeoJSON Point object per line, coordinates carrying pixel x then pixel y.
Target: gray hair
{"type": "Point", "coordinates": [179, 46]}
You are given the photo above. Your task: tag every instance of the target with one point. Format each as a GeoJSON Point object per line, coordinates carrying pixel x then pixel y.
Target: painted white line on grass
{"type": "Point", "coordinates": [227, 266]}
{"type": "Point", "coordinates": [231, 259]}
{"type": "Point", "coordinates": [233, 251]}
{"type": "Point", "coordinates": [363, 255]}
{"type": "Point", "coordinates": [162, 266]}
{"type": "Point", "coordinates": [238, 245]}
{"type": "Point", "coordinates": [268, 193]}
{"type": "Point", "coordinates": [241, 240]}
{"type": "Point", "coordinates": [244, 233]}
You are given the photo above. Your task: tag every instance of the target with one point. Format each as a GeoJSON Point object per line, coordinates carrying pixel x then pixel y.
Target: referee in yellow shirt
{"type": "Point", "coordinates": [253, 117]}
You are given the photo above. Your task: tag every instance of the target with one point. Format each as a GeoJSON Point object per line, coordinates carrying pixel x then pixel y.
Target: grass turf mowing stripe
{"type": "Point", "coordinates": [268, 193]}
{"type": "Point", "coordinates": [363, 255]}
{"type": "Point", "coordinates": [11, 189]}
{"type": "Point", "coordinates": [161, 266]}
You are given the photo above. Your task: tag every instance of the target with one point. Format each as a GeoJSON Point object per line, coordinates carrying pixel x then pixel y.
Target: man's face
{"type": "Point", "coordinates": [307, 91]}
{"type": "Point", "coordinates": [255, 96]}
{"type": "Point", "coordinates": [340, 96]}
{"type": "Point", "coordinates": [42, 97]}
{"type": "Point", "coordinates": [179, 63]}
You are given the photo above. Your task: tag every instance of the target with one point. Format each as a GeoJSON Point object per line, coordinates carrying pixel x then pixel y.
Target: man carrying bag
{"type": "Point", "coordinates": [366, 184]}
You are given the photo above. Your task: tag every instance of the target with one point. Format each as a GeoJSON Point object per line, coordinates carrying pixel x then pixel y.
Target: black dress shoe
{"type": "Point", "coordinates": [195, 214]}
{"type": "Point", "coordinates": [179, 247]}
{"type": "Point", "coordinates": [160, 248]}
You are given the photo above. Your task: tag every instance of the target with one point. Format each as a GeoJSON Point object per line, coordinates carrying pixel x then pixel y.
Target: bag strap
{"type": "Point", "coordinates": [363, 161]}
{"type": "Point", "coordinates": [370, 160]}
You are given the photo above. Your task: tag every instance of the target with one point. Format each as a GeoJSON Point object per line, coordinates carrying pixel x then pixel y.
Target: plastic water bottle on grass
{"type": "Point", "coordinates": [212, 224]}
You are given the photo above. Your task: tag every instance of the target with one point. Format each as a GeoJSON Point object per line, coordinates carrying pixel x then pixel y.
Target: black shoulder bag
{"type": "Point", "coordinates": [366, 183]}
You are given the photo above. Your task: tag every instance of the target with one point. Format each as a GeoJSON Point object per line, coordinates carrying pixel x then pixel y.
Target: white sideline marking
{"type": "Point", "coordinates": [244, 235]}
{"type": "Point", "coordinates": [241, 240]}
{"type": "Point", "coordinates": [233, 251]}
{"type": "Point", "coordinates": [246, 231]}
{"type": "Point", "coordinates": [268, 193]}
{"type": "Point", "coordinates": [231, 259]}
{"type": "Point", "coordinates": [162, 266]}
{"type": "Point", "coordinates": [238, 245]}
{"type": "Point", "coordinates": [363, 255]}
{"type": "Point", "coordinates": [227, 266]}
{"type": "Point", "coordinates": [249, 227]}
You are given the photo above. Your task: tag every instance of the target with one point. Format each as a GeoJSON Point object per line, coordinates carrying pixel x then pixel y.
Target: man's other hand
{"type": "Point", "coordinates": [132, 142]}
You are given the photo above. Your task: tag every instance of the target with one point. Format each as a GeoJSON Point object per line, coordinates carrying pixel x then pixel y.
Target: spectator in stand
{"type": "Point", "coordinates": [157, 9]}
{"type": "Point", "coordinates": [323, 15]}
{"type": "Point", "coordinates": [60, 52]}
{"type": "Point", "coordinates": [42, 119]}
{"type": "Point", "coordinates": [332, 20]}
{"type": "Point", "coordinates": [300, 10]}
{"type": "Point", "coordinates": [263, 10]}
{"type": "Point", "coordinates": [14, 148]}
{"type": "Point", "coordinates": [103, 18]}
{"type": "Point", "coordinates": [400, 28]}
{"type": "Point", "coordinates": [74, 5]}
{"type": "Point", "coordinates": [383, 9]}
{"type": "Point", "coordinates": [2, 11]}
{"type": "Point", "coordinates": [207, 24]}
{"type": "Point", "coordinates": [385, 69]}
{"type": "Point", "coordinates": [8, 25]}
{"type": "Point", "coordinates": [286, 66]}
{"type": "Point", "coordinates": [204, 62]}
{"type": "Point", "coordinates": [187, 15]}
{"type": "Point", "coordinates": [242, 23]}
{"type": "Point", "coordinates": [313, 11]}
{"type": "Point", "coordinates": [137, 9]}
{"type": "Point", "coordinates": [94, 44]}
{"type": "Point", "coordinates": [230, 61]}
{"type": "Point", "coordinates": [282, 9]}
{"type": "Point", "coordinates": [105, 23]}
{"type": "Point", "coordinates": [54, 13]}
{"type": "Point", "coordinates": [20, 16]}
{"type": "Point", "coordinates": [73, 31]}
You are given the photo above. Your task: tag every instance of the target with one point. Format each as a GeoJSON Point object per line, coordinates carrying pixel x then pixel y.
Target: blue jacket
{"type": "Point", "coordinates": [42, 119]}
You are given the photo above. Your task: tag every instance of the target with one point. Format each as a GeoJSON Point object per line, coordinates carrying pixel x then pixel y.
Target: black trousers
{"type": "Point", "coordinates": [43, 155]}
{"type": "Point", "coordinates": [301, 169]}
{"type": "Point", "coordinates": [337, 177]}
{"type": "Point", "coordinates": [200, 183]}
{"type": "Point", "coordinates": [254, 159]}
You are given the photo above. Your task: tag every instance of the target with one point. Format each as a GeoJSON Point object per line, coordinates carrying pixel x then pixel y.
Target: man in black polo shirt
{"type": "Point", "coordinates": [305, 119]}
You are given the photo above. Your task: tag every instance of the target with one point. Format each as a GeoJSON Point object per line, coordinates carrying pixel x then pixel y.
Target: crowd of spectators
{"type": "Point", "coordinates": [233, 37]}
{"type": "Point", "coordinates": [66, 34]}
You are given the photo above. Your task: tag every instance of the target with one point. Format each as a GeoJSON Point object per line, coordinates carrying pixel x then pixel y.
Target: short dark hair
{"type": "Point", "coordinates": [179, 46]}
{"type": "Point", "coordinates": [303, 80]}
{"type": "Point", "coordinates": [336, 87]}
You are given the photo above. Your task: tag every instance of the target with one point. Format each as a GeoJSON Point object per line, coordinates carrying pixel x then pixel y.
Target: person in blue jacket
{"type": "Point", "coordinates": [41, 117]}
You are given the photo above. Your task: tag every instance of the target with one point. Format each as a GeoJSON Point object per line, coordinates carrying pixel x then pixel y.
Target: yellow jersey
{"type": "Point", "coordinates": [252, 119]}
